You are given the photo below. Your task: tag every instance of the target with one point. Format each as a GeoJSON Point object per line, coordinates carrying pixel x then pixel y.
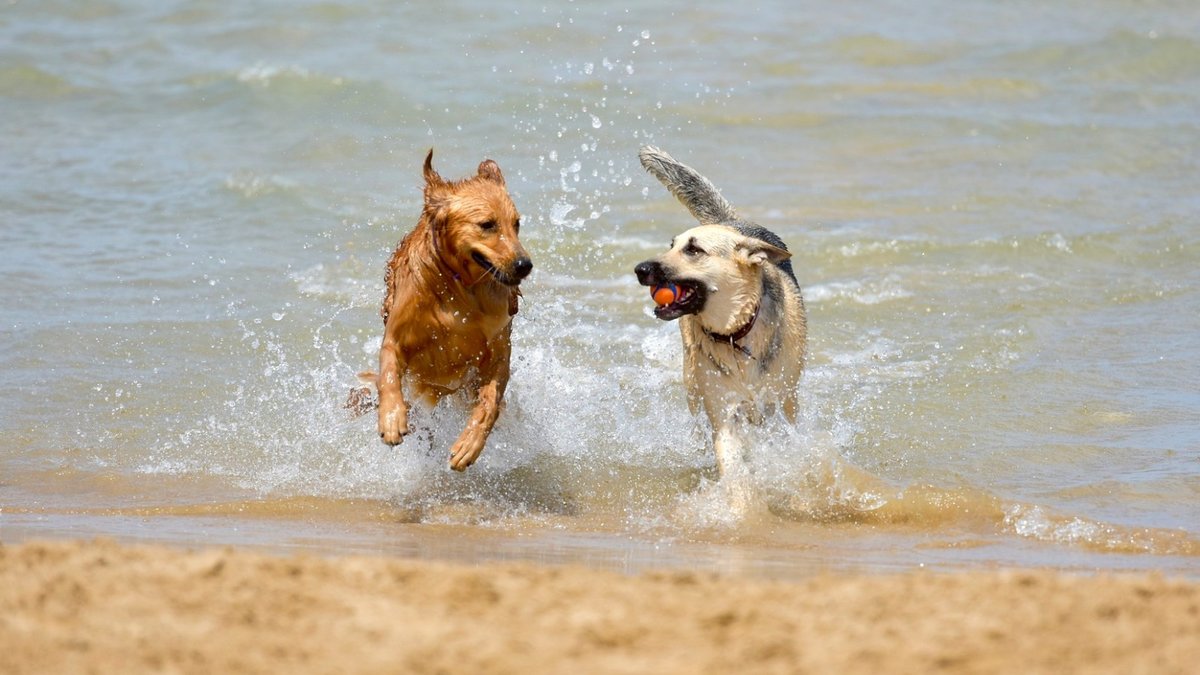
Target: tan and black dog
{"type": "Point", "coordinates": [452, 290]}
{"type": "Point", "coordinates": [740, 310]}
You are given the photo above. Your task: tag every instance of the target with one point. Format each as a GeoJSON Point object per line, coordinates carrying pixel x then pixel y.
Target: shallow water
{"type": "Point", "coordinates": [992, 209]}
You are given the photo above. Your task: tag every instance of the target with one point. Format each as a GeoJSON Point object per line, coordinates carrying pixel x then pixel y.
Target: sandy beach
{"type": "Point", "coordinates": [104, 607]}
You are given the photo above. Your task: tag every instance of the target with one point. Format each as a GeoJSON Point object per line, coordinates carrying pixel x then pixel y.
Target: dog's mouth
{"type": "Point", "coordinates": [499, 274]}
{"type": "Point", "coordinates": [688, 300]}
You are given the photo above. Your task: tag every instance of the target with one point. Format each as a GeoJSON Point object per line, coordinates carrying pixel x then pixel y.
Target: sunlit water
{"type": "Point", "coordinates": [993, 210]}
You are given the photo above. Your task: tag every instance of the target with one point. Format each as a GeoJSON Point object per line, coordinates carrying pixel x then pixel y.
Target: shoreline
{"type": "Point", "coordinates": [71, 606]}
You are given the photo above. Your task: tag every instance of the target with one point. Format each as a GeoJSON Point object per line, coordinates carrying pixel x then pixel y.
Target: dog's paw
{"type": "Point", "coordinates": [465, 451]}
{"type": "Point", "coordinates": [393, 424]}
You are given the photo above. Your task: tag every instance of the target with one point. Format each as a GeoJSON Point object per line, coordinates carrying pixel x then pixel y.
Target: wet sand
{"type": "Point", "coordinates": [105, 607]}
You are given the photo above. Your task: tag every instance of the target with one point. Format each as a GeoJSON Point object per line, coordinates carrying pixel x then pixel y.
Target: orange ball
{"type": "Point", "coordinates": [664, 295]}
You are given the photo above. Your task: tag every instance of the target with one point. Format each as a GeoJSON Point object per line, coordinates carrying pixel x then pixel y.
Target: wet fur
{"type": "Point", "coordinates": [452, 290]}
{"type": "Point", "coordinates": [741, 266]}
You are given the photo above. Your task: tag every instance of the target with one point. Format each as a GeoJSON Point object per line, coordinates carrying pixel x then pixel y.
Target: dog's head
{"type": "Point", "coordinates": [717, 269]}
{"type": "Point", "coordinates": [476, 225]}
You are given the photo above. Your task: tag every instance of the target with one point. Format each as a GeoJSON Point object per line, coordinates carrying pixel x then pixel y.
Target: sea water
{"type": "Point", "coordinates": [993, 209]}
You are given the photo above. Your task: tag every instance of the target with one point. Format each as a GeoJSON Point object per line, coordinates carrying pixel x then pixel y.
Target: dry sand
{"type": "Point", "coordinates": [102, 607]}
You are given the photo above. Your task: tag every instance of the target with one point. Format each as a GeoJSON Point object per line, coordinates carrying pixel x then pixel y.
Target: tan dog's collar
{"type": "Point", "coordinates": [732, 338]}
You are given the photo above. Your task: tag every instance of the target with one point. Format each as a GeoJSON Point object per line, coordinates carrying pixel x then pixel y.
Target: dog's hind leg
{"type": "Point", "coordinates": [362, 399]}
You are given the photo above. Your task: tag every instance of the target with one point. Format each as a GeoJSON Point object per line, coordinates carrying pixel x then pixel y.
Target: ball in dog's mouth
{"type": "Point", "coordinates": [675, 299]}
{"type": "Point", "coordinates": [665, 294]}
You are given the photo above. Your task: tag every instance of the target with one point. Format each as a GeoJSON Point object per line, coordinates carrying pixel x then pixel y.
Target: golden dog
{"type": "Point", "coordinates": [740, 310]}
{"type": "Point", "coordinates": [452, 290]}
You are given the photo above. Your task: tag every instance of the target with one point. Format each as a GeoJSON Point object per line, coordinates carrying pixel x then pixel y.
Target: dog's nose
{"type": "Point", "coordinates": [522, 267]}
{"type": "Point", "coordinates": [646, 272]}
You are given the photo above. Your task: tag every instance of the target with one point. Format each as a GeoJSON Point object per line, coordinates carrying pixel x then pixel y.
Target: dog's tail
{"type": "Point", "coordinates": [692, 190]}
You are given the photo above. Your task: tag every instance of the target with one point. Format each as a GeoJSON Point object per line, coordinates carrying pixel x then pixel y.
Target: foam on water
{"type": "Point", "coordinates": [616, 444]}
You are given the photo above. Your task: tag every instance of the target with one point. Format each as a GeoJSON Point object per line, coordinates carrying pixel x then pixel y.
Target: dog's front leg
{"type": "Point", "coordinates": [729, 448]}
{"type": "Point", "coordinates": [489, 401]}
{"type": "Point", "coordinates": [470, 442]}
{"type": "Point", "coordinates": [735, 480]}
{"type": "Point", "coordinates": [726, 417]}
{"type": "Point", "coordinates": [393, 410]}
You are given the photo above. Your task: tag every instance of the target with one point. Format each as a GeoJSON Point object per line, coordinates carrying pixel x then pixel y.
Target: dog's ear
{"type": "Point", "coordinates": [758, 252]}
{"type": "Point", "coordinates": [491, 171]}
{"type": "Point", "coordinates": [432, 178]}
{"type": "Point", "coordinates": [435, 192]}
{"type": "Point", "coordinates": [435, 188]}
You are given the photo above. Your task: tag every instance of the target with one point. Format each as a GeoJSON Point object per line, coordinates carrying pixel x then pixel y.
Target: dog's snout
{"type": "Point", "coordinates": [648, 273]}
{"type": "Point", "coordinates": [522, 267]}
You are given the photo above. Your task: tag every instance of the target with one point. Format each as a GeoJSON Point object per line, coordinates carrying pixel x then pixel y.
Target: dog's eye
{"type": "Point", "coordinates": [488, 225]}
{"type": "Point", "coordinates": [692, 249]}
